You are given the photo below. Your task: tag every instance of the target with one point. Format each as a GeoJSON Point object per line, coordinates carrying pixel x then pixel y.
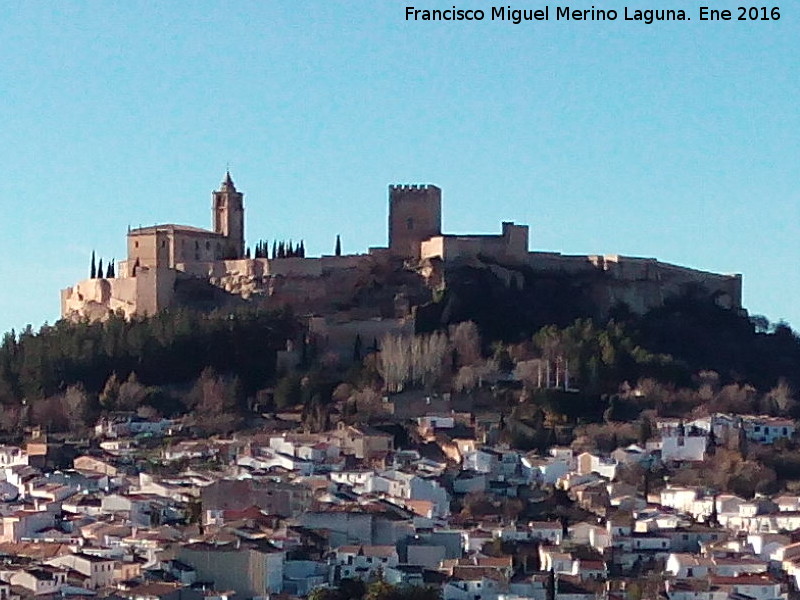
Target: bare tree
{"type": "Point", "coordinates": [466, 340]}
{"type": "Point", "coordinates": [394, 363]}
{"type": "Point", "coordinates": [49, 414]}
{"type": "Point", "coordinates": [215, 405]}
{"type": "Point", "coordinates": [472, 376]}
{"type": "Point", "coordinates": [412, 360]}
{"type": "Point", "coordinates": [533, 373]}
{"type": "Point", "coordinates": [709, 385]}
{"type": "Point", "coordinates": [782, 395]}
{"type": "Point", "coordinates": [11, 417]}
{"type": "Point", "coordinates": [76, 407]}
{"type": "Point", "coordinates": [131, 394]}
{"type": "Point", "coordinates": [428, 354]}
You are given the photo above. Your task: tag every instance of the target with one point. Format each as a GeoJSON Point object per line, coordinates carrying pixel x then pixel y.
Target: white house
{"type": "Point", "coordinates": [683, 444]}
{"type": "Point", "coordinates": [688, 566]}
{"type": "Point", "coordinates": [99, 571]}
{"type": "Point", "coordinates": [362, 562]}
{"type": "Point", "coordinates": [765, 430]}
{"type": "Point", "coordinates": [477, 588]}
{"type": "Point", "coordinates": [679, 498]}
{"type": "Point", "coordinates": [40, 580]}
{"type": "Point", "coordinates": [593, 463]}
{"type": "Point", "coordinates": [11, 456]}
{"type": "Point", "coordinates": [547, 470]}
{"type": "Point", "coordinates": [407, 486]}
{"type": "Point", "coordinates": [545, 531]}
{"type": "Point", "coordinates": [758, 587]}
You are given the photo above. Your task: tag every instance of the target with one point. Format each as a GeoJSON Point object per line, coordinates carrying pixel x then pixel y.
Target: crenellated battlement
{"type": "Point", "coordinates": [412, 187]}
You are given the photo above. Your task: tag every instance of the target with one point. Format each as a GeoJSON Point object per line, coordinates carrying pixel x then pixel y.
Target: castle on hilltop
{"type": "Point", "coordinates": [171, 265]}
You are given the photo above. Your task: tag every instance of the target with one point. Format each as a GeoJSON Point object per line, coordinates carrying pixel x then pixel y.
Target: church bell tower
{"type": "Point", "coordinates": [228, 217]}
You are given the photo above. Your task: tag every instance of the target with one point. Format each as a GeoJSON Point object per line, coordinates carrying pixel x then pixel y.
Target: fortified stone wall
{"type": "Point", "coordinates": [339, 337]}
{"type": "Point", "coordinates": [554, 262]}
{"type": "Point", "coordinates": [641, 283]}
{"type": "Point", "coordinates": [385, 282]}
{"type": "Point", "coordinates": [146, 294]}
{"type": "Point", "coordinates": [94, 298]}
{"type": "Point", "coordinates": [510, 246]}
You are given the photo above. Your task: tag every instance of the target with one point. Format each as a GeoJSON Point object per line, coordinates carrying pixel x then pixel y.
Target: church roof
{"type": "Point", "coordinates": [171, 227]}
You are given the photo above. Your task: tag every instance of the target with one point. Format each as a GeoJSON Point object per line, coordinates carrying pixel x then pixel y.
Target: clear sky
{"type": "Point", "coordinates": [672, 140]}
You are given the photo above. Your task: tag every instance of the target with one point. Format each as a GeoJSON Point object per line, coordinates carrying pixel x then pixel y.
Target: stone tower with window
{"type": "Point", "coordinates": [228, 217]}
{"type": "Point", "coordinates": [415, 214]}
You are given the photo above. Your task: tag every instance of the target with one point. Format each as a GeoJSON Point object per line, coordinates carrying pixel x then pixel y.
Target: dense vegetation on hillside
{"type": "Point", "coordinates": [692, 330]}
{"type": "Point", "coordinates": [171, 348]}
{"type": "Point", "coordinates": [686, 356]}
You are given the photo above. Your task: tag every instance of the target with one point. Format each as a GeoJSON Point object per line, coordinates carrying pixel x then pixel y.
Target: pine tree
{"type": "Point", "coordinates": [713, 518]}
{"type": "Point", "coordinates": [93, 271]}
{"type": "Point", "coordinates": [551, 591]}
{"type": "Point", "coordinates": [645, 431]}
{"type": "Point", "coordinates": [338, 250]}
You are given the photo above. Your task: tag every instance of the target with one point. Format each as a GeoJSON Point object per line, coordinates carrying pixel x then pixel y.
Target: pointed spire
{"type": "Point", "coordinates": [227, 184]}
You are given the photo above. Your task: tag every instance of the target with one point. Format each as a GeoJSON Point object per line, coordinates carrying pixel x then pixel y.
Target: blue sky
{"type": "Point", "coordinates": [673, 140]}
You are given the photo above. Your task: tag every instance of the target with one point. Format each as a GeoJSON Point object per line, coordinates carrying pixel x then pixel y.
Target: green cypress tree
{"type": "Point", "coordinates": [93, 270]}
{"type": "Point", "coordinates": [338, 250]}
{"type": "Point", "coordinates": [100, 269]}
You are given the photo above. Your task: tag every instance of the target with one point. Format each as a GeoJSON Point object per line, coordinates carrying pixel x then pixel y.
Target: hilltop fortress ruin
{"type": "Point", "coordinates": [172, 265]}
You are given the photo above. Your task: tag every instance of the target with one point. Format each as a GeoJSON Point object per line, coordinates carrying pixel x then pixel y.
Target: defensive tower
{"type": "Point", "coordinates": [415, 214]}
